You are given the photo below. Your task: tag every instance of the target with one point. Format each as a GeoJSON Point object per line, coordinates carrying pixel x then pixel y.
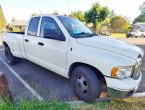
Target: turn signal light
{"type": "Point", "coordinates": [114, 71]}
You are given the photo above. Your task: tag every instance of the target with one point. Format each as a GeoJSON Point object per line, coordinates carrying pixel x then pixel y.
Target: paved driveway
{"type": "Point", "coordinates": [46, 83]}
{"type": "Point", "coordinates": [43, 81]}
{"type": "Point", "coordinates": [142, 84]}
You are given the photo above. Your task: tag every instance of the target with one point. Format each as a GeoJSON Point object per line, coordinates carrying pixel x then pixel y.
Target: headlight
{"type": "Point", "coordinates": [122, 72]}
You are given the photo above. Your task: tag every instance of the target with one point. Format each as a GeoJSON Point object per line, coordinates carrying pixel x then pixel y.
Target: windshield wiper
{"type": "Point", "coordinates": [84, 35]}
{"type": "Point", "coordinates": [92, 34]}
{"type": "Point", "coordinates": [81, 33]}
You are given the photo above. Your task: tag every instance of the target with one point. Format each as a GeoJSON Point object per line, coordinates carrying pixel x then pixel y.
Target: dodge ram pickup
{"type": "Point", "coordinates": [67, 47]}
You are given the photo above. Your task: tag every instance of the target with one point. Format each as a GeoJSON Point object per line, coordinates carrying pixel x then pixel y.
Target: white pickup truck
{"type": "Point", "coordinates": [67, 47]}
{"type": "Point", "coordinates": [136, 34]}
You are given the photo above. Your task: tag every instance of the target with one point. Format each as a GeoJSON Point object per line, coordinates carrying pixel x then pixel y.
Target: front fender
{"type": "Point", "coordinates": [101, 59]}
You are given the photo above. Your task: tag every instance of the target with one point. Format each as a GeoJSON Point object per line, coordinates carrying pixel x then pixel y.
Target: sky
{"type": "Point", "coordinates": [23, 9]}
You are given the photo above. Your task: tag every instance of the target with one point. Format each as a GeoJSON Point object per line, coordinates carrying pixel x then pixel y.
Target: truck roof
{"type": "Point", "coordinates": [50, 15]}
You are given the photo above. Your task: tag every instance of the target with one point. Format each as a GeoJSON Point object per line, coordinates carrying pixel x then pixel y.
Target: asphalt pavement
{"type": "Point", "coordinates": [46, 83]}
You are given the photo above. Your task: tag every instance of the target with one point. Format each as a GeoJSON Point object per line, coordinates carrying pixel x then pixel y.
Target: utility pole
{"type": "Point", "coordinates": [68, 7]}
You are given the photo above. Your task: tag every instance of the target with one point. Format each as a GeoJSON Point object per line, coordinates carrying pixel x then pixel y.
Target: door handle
{"type": "Point", "coordinates": [40, 43]}
{"type": "Point", "coordinates": [26, 40]}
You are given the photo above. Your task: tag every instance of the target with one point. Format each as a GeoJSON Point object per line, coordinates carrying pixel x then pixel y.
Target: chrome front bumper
{"type": "Point", "coordinates": [120, 94]}
{"type": "Point", "coordinates": [123, 88]}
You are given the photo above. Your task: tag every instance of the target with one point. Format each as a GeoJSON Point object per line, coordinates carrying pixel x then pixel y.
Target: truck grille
{"type": "Point", "coordinates": [137, 68]}
{"type": "Point", "coordinates": [136, 72]}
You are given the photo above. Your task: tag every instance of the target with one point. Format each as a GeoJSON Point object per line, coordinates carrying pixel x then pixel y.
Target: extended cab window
{"type": "Point", "coordinates": [33, 26]}
{"type": "Point", "coordinates": [50, 29]}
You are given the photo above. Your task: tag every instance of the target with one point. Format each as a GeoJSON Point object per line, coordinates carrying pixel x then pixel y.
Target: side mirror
{"type": "Point", "coordinates": [52, 34]}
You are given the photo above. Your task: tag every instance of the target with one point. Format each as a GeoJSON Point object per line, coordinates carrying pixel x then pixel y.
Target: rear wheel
{"type": "Point", "coordinates": [9, 57]}
{"type": "Point", "coordinates": [142, 35]}
{"type": "Point", "coordinates": [85, 84]}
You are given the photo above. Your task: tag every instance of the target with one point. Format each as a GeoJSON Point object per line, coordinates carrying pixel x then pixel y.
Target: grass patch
{"type": "Point", "coordinates": [16, 29]}
{"type": "Point", "coordinates": [118, 35]}
{"type": "Point", "coordinates": [116, 104]}
{"type": "Point", "coordinates": [35, 105]}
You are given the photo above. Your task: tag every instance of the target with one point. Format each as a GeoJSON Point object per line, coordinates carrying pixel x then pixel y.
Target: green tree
{"type": "Point", "coordinates": [2, 19]}
{"type": "Point", "coordinates": [78, 15]}
{"type": "Point", "coordinates": [34, 14]}
{"type": "Point", "coordinates": [120, 24]}
{"type": "Point", "coordinates": [96, 14]}
{"type": "Point", "coordinates": [140, 18]}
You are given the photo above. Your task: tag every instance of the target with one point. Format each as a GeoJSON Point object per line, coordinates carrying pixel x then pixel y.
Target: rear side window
{"type": "Point", "coordinates": [33, 26]}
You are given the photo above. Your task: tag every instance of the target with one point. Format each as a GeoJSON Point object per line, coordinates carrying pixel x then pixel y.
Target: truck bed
{"type": "Point", "coordinates": [15, 41]}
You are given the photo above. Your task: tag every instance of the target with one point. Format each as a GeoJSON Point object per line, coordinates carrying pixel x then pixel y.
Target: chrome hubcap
{"type": "Point", "coordinates": [82, 84]}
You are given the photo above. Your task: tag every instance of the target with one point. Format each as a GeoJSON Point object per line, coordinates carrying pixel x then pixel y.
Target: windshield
{"type": "Point", "coordinates": [75, 28]}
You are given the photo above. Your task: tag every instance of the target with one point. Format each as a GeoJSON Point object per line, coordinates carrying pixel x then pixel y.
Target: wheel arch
{"type": "Point", "coordinates": [5, 44]}
{"type": "Point", "coordinates": [97, 71]}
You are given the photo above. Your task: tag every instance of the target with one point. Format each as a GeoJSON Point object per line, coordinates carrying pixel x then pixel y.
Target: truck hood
{"type": "Point", "coordinates": [111, 45]}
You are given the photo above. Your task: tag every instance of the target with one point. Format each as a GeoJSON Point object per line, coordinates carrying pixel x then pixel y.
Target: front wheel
{"type": "Point", "coordinates": [134, 36]}
{"type": "Point", "coordinates": [127, 36]}
{"type": "Point", "coordinates": [85, 84]}
{"type": "Point", "coordinates": [9, 57]}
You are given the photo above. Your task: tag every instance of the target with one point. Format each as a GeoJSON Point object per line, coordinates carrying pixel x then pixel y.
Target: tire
{"type": "Point", "coordinates": [85, 84]}
{"type": "Point", "coordinates": [9, 57]}
{"type": "Point", "coordinates": [127, 36]}
{"type": "Point", "coordinates": [133, 36]}
{"type": "Point", "coordinates": [142, 36]}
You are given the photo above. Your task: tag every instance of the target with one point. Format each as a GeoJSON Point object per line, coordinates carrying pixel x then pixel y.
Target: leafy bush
{"type": "Point", "coordinates": [16, 29]}
{"type": "Point", "coordinates": [120, 24]}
